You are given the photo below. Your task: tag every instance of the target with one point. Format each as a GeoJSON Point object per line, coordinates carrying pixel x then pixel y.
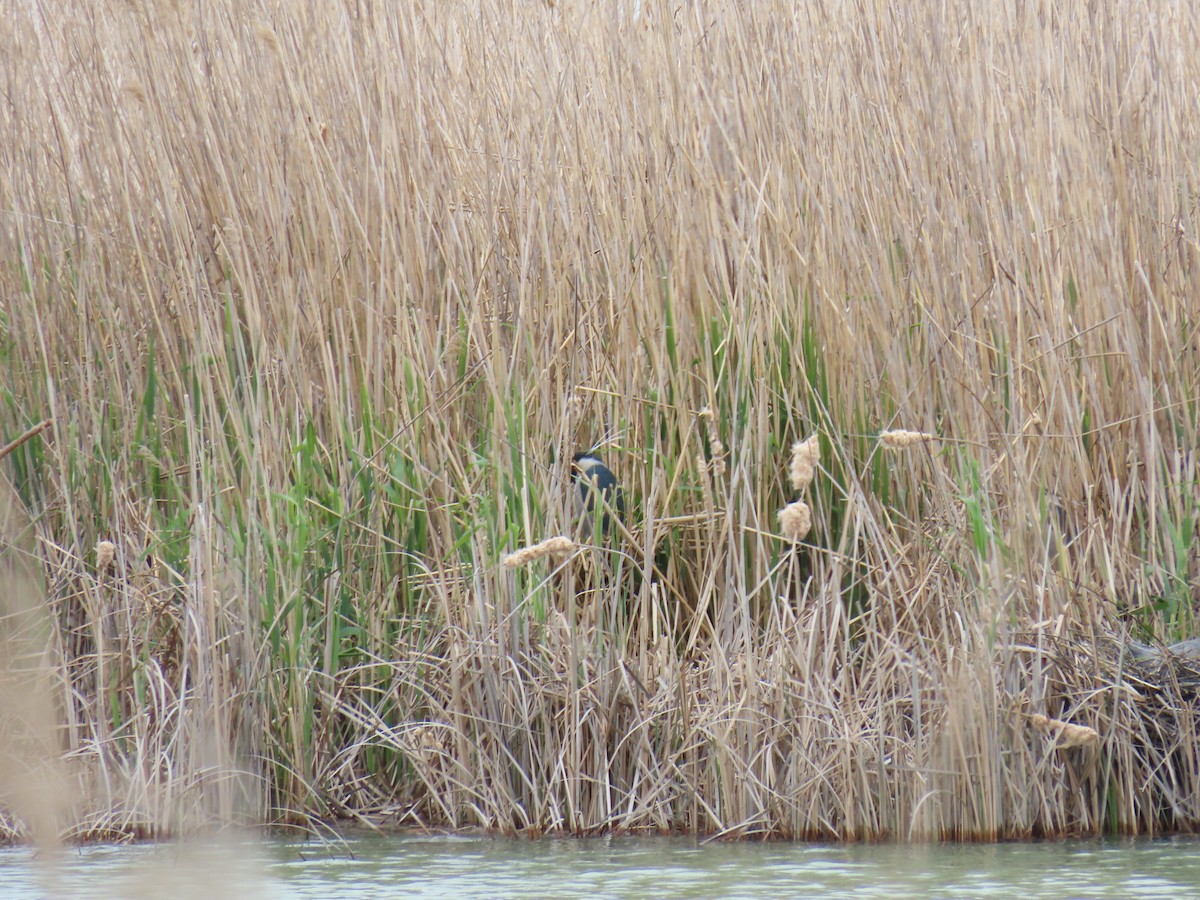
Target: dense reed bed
{"type": "Point", "coordinates": [319, 299]}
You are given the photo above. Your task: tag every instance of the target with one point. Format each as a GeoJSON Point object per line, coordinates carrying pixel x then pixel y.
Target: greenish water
{"type": "Point", "coordinates": [453, 867]}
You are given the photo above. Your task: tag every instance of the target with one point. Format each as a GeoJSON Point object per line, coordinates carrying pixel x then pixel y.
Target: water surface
{"type": "Point", "coordinates": [409, 866]}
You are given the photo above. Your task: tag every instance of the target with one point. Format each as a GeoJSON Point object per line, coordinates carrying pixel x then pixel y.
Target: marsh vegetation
{"type": "Point", "coordinates": [320, 299]}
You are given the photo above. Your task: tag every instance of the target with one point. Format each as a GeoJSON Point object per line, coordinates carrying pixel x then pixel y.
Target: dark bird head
{"type": "Point", "coordinates": [596, 481]}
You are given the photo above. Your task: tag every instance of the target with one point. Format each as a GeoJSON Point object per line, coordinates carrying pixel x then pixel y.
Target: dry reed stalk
{"type": "Point", "coordinates": [32, 782]}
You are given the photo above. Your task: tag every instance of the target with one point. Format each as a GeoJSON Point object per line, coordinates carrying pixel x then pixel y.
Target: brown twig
{"type": "Point", "coordinates": [32, 432]}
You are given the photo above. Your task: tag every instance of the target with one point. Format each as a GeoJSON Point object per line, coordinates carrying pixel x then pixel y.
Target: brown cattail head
{"type": "Point", "coordinates": [267, 35]}
{"type": "Point", "coordinates": [106, 553]}
{"type": "Point", "coordinates": [805, 456]}
{"type": "Point", "coordinates": [795, 521]}
{"type": "Point", "coordinates": [548, 547]}
{"type": "Point", "coordinates": [899, 439]}
{"type": "Point", "coordinates": [716, 465]}
{"type": "Point", "coordinates": [716, 461]}
{"type": "Point", "coordinates": [1068, 734]}
{"type": "Point", "coordinates": [134, 89]}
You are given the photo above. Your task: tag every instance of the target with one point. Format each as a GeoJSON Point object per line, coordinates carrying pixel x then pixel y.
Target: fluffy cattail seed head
{"type": "Point", "coordinates": [1067, 734]}
{"type": "Point", "coordinates": [795, 521]}
{"type": "Point", "coordinates": [106, 552]}
{"type": "Point", "coordinates": [805, 456]}
{"type": "Point", "coordinates": [548, 547]}
{"type": "Point", "coordinates": [899, 439]}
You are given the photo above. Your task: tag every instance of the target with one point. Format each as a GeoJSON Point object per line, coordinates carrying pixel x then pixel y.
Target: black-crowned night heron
{"type": "Point", "coordinates": [595, 480]}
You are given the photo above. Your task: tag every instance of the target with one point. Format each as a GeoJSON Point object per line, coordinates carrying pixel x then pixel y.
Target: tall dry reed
{"type": "Point", "coordinates": [321, 298]}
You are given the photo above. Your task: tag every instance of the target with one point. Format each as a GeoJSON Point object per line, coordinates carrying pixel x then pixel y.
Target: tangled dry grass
{"type": "Point", "coordinates": [317, 300]}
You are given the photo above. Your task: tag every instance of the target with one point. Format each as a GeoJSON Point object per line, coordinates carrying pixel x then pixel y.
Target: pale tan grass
{"type": "Point", "coordinates": [418, 247]}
